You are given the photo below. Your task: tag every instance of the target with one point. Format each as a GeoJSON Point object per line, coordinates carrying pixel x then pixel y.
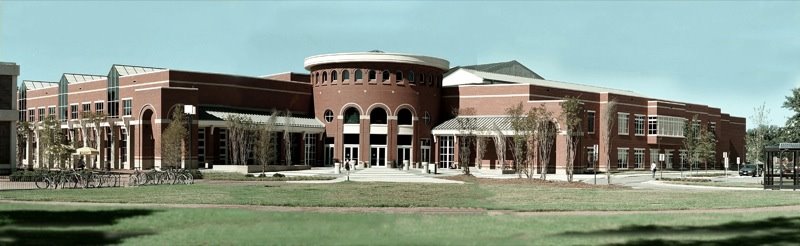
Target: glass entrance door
{"type": "Point", "coordinates": [378, 156]}
{"type": "Point", "coordinates": [403, 155]}
{"type": "Point", "coordinates": [351, 153]}
{"type": "Point", "coordinates": [329, 155]}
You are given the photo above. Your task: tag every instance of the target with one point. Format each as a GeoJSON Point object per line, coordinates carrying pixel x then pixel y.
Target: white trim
{"type": "Point", "coordinates": [240, 87]}
{"type": "Point", "coordinates": [375, 57]}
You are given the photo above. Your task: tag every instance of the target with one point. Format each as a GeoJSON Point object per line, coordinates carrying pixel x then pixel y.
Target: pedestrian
{"type": "Point", "coordinates": [347, 168]}
{"type": "Point", "coordinates": [653, 168]}
{"type": "Point", "coordinates": [81, 164]}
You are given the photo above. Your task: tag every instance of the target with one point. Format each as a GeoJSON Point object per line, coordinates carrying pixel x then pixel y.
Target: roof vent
{"type": "Point", "coordinates": [376, 51]}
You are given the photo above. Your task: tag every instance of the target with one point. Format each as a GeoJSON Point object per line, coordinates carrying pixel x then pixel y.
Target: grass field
{"type": "Point", "coordinates": [490, 195]}
{"type": "Point", "coordinates": [45, 224]}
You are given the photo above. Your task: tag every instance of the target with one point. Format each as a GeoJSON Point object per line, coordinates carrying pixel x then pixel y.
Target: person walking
{"type": "Point", "coordinates": [653, 168]}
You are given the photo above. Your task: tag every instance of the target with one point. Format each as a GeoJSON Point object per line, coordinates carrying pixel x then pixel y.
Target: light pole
{"type": "Point", "coordinates": [189, 110]}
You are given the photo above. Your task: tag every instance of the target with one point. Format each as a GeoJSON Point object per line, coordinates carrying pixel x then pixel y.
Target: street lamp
{"type": "Point", "coordinates": [189, 110]}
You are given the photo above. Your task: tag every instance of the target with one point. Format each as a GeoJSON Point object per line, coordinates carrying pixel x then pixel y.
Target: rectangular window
{"type": "Point", "coordinates": [51, 111]}
{"type": "Point", "coordinates": [127, 107]}
{"type": "Point", "coordinates": [31, 115]}
{"type": "Point", "coordinates": [123, 149]}
{"type": "Point", "coordinates": [654, 156]}
{"type": "Point", "coordinates": [425, 155]}
{"type": "Point", "coordinates": [86, 107]}
{"type": "Point", "coordinates": [446, 150]}
{"type": "Point", "coordinates": [622, 123]}
{"type": "Point", "coordinates": [98, 107]}
{"type": "Point", "coordinates": [310, 149]}
{"type": "Point", "coordinates": [41, 114]}
{"type": "Point", "coordinates": [73, 111]}
{"type": "Point", "coordinates": [590, 121]}
{"type": "Point", "coordinates": [668, 158]}
{"type": "Point", "coordinates": [591, 157]}
{"type": "Point", "coordinates": [652, 125]}
{"type": "Point", "coordinates": [638, 158]}
{"type": "Point", "coordinates": [201, 146]}
{"type": "Point", "coordinates": [639, 124]}
{"type": "Point", "coordinates": [683, 158]}
{"type": "Point", "coordinates": [622, 158]}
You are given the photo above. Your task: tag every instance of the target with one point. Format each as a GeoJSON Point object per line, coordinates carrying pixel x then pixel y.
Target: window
{"type": "Point", "coordinates": [378, 116]}
{"type": "Point", "coordinates": [425, 155]}
{"type": "Point", "coordinates": [372, 75]}
{"type": "Point", "coordinates": [638, 158]}
{"type": "Point", "coordinates": [51, 111]}
{"type": "Point", "coordinates": [316, 80]}
{"type": "Point", "coordinates": [668, 158]}
{"type": "Point", "coordinates": [666, 126]}
{"type": "Point", "coordinates": [590, 115]}
{"type": "Point", "coordinates": [223, 146]}
{"type": "Point", "coordinates": [310, 149]}
{"type": "Point", "coordinates": [328, 115]}
{"type": "Point", "coordinates": [683, 154]}
{"type": "Point", "coordinates": [654, 157]}
{"type": "Point", "coordinates": [334, 76]}
{"type": "Point", "coordinates": [404, 117]}
{"type": "Point", "coordinates": [127, 106]}
{"type": "Point", "coordinates": [411, 77]}
{"type": "Point", "coordinates": [351, 116]}
{"type": "Point", "coordinates": [345, 75]}
{"type": "Point", "coordinates": [422, 78]}
{"type": "Point", "coordinates": [446, 151]}
{"type": "Point", "coordinates": [86, 108]}
{"type": "Point", "coordinates": [652, 125]}
{"type": "Point", "coordinates": [622, 123]}
{"type": "Point", "coordinates": [622, 158]}
{"type": "Point", "coordinates": [712, 126]}
{"type": "Point", "coordinates": [427, 118]}
{"type": "Point", "coordinates": [98, 107]}
{"type": "Point", "coordinates": [591, 157]}
{"type": "Point", "coordinates": [41, 114]}
{"type": "Point", "coordinates": [324, 77]}
{"type": "Point", "coordinates": [385, 75]}
{"type": "Point", "coordinates": [398, 76]}
{"type": "Point", "coordinates": [201, 146]}
{"type": "Point", "coordinates": [123, 143]}
{"type": "Point", "coordinates": [31, 115]}
{"type": "Point", "coordinates": [73, 111]}
{"type": "Point", "coordinates": [639, 125]}
{"type": "Point", "coordinates": [359, 75]}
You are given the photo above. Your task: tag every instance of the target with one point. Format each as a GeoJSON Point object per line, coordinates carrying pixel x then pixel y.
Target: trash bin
{"type": "Point", "coordinates": [406, 163]}
{"type": "Point", "coordinates": [432, 168]}
{"type": "Point", "coordinates": [337, 168]}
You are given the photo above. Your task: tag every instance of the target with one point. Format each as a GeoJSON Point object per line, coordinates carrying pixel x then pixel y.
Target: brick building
{"type": "Point", "coordinates": [378, 109]}
{"type": "Point", "coordinates": [8, 110]}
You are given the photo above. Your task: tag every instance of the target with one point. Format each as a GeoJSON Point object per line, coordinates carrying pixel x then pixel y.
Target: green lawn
{"type": "Point", "coordinates": [254, 177]}
{"type": "Point", "coordinates": [40, 224]}
{"type": "Point", "coordinates": [515, 196]}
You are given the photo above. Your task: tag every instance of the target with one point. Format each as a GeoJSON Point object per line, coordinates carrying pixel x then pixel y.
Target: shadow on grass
{"type": "Point", "coordinates": [773, 231]}
{"type": "Point", "coordinates": [42, 227]}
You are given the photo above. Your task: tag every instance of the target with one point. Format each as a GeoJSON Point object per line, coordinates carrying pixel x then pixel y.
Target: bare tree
{"type": "Point", "coordinates": [755, 144]}
{"type": "Point", "coordinates": [287, 136]}
{"type": "Point", "coordinates": [466, 130]}
{"type": "Point", "coordinates": [173, 138]}
{"type": "Point", "coordinates": [544, 138]}
{"type": "Point", "coordinates": [521, 130]}
{"type": "Point", "coordinates": [265, 141]}
{"type": "Point", "coordinates": [692, 141]}
{"type": "Point", "coordinates": [240, 138]}
{"type": "Point", "coordinates": [607, 119]}
{"type": "Point", "coordinates": [23, 134]}
{"type": "Point", "coordinates": [500, 147]}
{"type": "Point", "coordinates": [572, 109]}
{"type": "Point", "coordinates": [480, 150]}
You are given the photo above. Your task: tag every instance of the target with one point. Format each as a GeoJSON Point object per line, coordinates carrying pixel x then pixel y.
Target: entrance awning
{"type": "Point", "coordinates": [484, 126]}
{"type": "Point", "coordinates": [216, 118]}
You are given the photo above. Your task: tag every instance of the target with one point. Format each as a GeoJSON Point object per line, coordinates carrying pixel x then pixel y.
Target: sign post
{"type": "Point", "coordinates": [661, 158]}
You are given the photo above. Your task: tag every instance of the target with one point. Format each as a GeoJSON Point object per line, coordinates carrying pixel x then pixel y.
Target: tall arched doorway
{"type": "Point", "coordinates": [377, 137]}
{"type": "Point", "coordinates": [147, 142]}
{"type": "Point", "coordinates": [405, 136]}
{"type": "Point", "coordinates": [350, 135]}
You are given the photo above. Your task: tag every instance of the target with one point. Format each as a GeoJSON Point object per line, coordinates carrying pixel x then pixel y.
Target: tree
{"type": "Point", "coordinates": [691, 141]}
{"type": "Point", "coordinates": [792, 129]}
{"type": "Point", "coordinates": [521, 130]}
{"type": "Point", "coordinates": [52, 144]}
{"type": "Point", "coordinates": [23, 134]}
{"type": "Point", "coordinates": [287, 136]}
{"type": "Point", "coordinates": [240, 137]}
{"type": "Point", "coordinates": [707, 147]}
{"type": "Point", "coordinates": [265, 141]}
{"type": "Point", "coordinates": [466, 130]}
{"type": "Point", "coordinates": [772, 135]}
{"type": "Point", "coordinates": [172, 139]}
{"type": "Point", "coordinates": [571, 111]}
{"type": "Point", "coordinates": [756, 142]}
{"type": "Point", "coordinates": [608, 116]}
{"type": "Point", "coordinates": [543, 138]}
{"type": "Point", "coordinates": [500, 147]}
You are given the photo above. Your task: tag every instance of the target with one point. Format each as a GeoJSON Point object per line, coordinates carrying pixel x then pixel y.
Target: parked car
{"type": "Point", "coordinates": [751, 170]}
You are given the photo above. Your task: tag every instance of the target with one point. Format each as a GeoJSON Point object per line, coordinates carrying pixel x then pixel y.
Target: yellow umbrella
{"type": "Point", "coordinates": [87, 151]}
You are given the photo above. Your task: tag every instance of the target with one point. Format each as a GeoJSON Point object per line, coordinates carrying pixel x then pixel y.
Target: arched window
{"type": "Point", "coordinates": [333, 75]}
{"type": "Point", "coordinates": [345, 75]}
{"type": "Point", "coordinates": [377, 116]}
{"type": "Point", "coordinates": [385, 75]}
{"type": "Point", "coordinates": [316, 80]}
{"type": "Point", "coordinates": [351, 116]}
{"type": "Point", "coordinates": [372, 75]}
{"type": "Point", "coordinates": [422, 78]}
{"type": "Point", "coordinates": [411, 77]}
{"type": "Point", "coordinates": [328, 115]}
{"type": "Point", "coordinates": [359, 75]}
{"type": "Point", "coordinates": [398, 76]}
{"type": "Point", "coordinates": [324, 77]}
{"type": "Point", "coordinates": [404, 117]}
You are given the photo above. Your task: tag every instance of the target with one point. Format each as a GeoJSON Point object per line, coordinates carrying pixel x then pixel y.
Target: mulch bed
{"type": "Point", "coordinates": [534, 181]}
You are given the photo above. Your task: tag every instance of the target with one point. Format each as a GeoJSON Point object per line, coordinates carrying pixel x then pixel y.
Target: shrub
{"type": "Point", "coordinates": [262, 175]}
{"type": "Point", "coordinates": [278, 175]}
{"type": "Point", "coordinates": [249, 175]}
{"type": "Point", "coordinates": [196, 174]}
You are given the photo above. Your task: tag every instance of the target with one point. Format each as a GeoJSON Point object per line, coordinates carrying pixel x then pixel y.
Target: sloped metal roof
{"type": "Point", "coordinates": [34, 84]}
{"type": "Point", "coordinates": [783, 146]}
{"type": "Point", "coordinates": [513, 68]}
{"type": "Point", "coordinates": [79, 78]}
{"type": "Point", "coordinates": [548, 83]}
{"type": "Point", "coordinates": [483, 123]}
{"type": "Point", "coordinates": [263, 118]}
{"type": "Point", "coordinates": [124, 70]}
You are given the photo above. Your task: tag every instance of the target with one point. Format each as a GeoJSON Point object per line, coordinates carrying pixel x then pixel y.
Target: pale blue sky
{"type": "Point", "coordinates": [732, 55]}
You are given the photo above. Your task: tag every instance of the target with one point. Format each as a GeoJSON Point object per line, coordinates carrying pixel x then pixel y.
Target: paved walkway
{"type": "Point", "coordinates": [395, 175]}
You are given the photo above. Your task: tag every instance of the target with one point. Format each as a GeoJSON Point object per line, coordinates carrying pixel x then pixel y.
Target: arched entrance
{"type": "Point", "coordinates": [147, 142]}
{"type": "Point", "coordinates": [377, 137]}
{"type": "Point", "coordinates": [405, 135]}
